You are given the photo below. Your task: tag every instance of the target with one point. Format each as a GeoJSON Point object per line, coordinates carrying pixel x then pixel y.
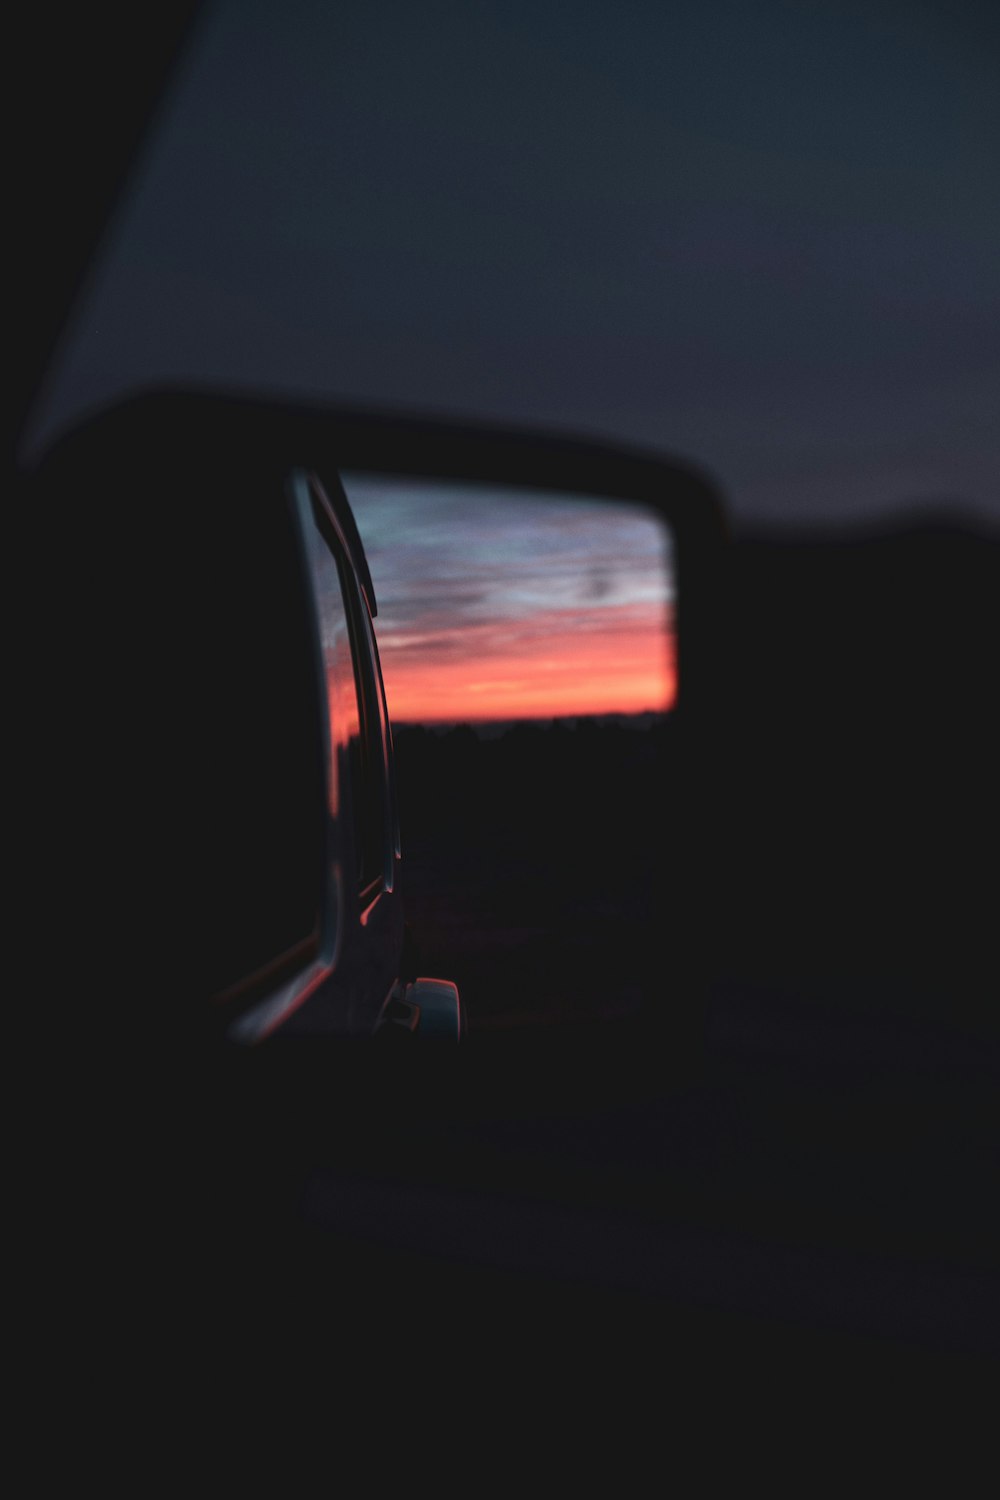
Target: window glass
{"type": "Point", "coordinates": [354, 788]}
{"type": "Point", "coordinates": [378, 739]}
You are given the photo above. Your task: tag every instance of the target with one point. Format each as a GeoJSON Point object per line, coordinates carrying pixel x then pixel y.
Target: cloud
{"type": "Point", "coordinates": [598, 585]}
{"type": "Point", "coordinates": [499, 604]}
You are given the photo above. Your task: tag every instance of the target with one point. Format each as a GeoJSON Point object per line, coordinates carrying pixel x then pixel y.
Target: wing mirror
{"type": "Point", "coordinates": [291, 638]}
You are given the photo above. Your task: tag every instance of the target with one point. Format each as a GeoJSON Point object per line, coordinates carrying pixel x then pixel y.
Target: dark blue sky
{"type": "Point", "coordinates": [763, 236]}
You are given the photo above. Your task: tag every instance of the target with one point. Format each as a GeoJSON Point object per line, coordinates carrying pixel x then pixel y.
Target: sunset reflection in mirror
{"type": "Point", "coordinates": [498, 604]}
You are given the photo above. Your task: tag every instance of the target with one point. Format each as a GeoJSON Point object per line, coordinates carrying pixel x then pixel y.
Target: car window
{"type": "Point", "coordinates": [378, 743]}
{"type": "Point", "coordinates": [355, 784]}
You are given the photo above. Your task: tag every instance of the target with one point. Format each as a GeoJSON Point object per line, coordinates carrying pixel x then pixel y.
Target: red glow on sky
{"type": "Point", "coordinates": [507, 604]}
{"type": "Point", "coordinates": [611, 661]}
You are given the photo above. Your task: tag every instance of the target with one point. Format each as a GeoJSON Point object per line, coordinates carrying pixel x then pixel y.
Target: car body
{"type": "Point", "coordinates": [245, 715]}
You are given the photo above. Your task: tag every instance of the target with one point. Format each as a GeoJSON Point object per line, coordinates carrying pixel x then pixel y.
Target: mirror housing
{"type": "Point", "coordinates": [135, 509]}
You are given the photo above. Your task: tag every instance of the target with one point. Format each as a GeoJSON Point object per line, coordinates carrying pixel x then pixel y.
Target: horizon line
{"type": "Point", "coordinates": [509, 719]}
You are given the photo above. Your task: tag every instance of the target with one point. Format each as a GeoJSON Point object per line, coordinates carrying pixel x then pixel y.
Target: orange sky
{"type": "Point", "coordinates": [623, 663]}
{"type": "Point", "coordinates": [494, 604]}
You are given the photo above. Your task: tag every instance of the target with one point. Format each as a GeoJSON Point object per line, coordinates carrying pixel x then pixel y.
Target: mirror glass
{"type": "Point", "coordinates": [527, 649]}
{"type": "Point", "coordinates": [502, 605]}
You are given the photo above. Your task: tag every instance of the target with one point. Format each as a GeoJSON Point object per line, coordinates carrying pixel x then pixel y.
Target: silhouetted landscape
{"type": "Point", "coordinates": [827, 824]}
{"type": "Point", "coordinates": [532, 856]}
{"type": "Point", "coordinates": [795, 883]}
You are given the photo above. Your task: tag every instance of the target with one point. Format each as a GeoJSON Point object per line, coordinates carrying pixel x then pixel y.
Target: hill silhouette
{"type": "Point", "coordinates": [822, 832]}
{"type": "Point", "coordinates": [532, 862]}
